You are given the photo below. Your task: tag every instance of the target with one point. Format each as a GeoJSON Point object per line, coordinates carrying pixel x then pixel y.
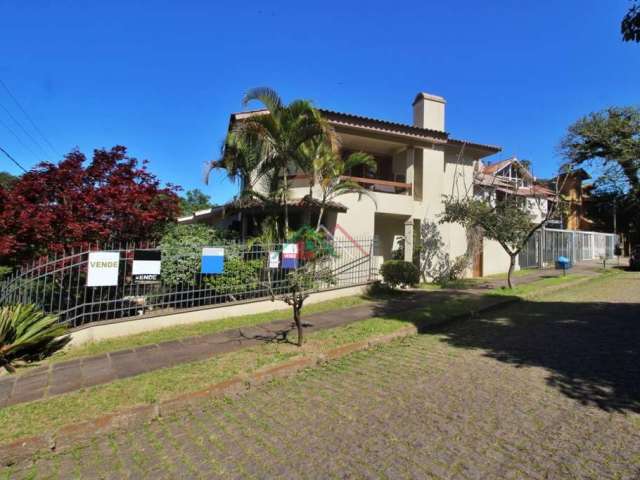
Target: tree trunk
{"type": "Point", "coordinates": [296, 318]}
{"type": "Point", "coordinates": [286, 207]}
{"type": "Point", "coordinates": [512, 264]}
{"type": "Point", "coordinates": [320, 218]}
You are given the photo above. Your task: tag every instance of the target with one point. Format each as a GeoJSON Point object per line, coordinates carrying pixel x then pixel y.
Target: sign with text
{"type": "Point", "coordinates": [146, 265]}
{"type": "Point", "coordinates": [290, 255]}
{"type": "Point", "coordinates": [103, 269]}
{"type": "Point", "coordinates": [274, 259]}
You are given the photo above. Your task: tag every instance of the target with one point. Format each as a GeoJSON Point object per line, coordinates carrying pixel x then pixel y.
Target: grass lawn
{"type": "Point", "coordinates": [532, 288]}
{"type": "Point", "coordinates": [202, 328]}
{"type": "Point", "coordinates": [462, 283]}
{"type": "Point", "coordinates": [47, 415]}
{"type": "Point", "coordinates": [523, 272]}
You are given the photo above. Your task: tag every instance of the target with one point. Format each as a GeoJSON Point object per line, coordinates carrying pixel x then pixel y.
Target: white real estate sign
{"type": "Point", "coordinates": [103, 269]}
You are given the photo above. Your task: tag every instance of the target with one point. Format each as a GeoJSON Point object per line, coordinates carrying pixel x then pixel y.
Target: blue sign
{"type": "Point", "coordinates": [212, 261]}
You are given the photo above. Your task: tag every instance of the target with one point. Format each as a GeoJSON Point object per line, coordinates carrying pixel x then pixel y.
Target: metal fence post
{"type": "Point", "coordinates": [541, 248]}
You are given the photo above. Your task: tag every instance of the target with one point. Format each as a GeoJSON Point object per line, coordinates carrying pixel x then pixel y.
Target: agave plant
{"type": "Point", "coordinates": [27, 334]}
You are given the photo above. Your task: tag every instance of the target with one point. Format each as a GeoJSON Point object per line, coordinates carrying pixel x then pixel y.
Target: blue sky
{"type": "Point", "coordinates": [162, 77]}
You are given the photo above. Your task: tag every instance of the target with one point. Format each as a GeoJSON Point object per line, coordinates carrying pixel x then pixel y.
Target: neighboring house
{"type": "Point", "coordinates": [513, 177]}
{"type": "Point", "coordinates": [416, 165]}
{"type": "Point", "coordinates": [575, 194]}
{"type": "Point", "coordinates": [496, 180]}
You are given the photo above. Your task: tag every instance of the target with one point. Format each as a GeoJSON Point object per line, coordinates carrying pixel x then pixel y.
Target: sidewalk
{"type": "Point", "coordinates": [46, 381]}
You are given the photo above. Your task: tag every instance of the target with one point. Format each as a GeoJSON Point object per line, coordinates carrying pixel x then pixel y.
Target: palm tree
{"type": "Point", "coordinates": [277, 137]}
{"type": "Point", "coordinates": [330, 170]}
{"type": "Point", "coordinates": [240, 157]}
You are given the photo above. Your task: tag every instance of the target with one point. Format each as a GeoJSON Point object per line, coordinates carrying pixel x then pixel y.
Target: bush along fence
{"type": "Point", "coordinates": [118, 281]}
{"type": "Point", "coordinates": [547, 244]}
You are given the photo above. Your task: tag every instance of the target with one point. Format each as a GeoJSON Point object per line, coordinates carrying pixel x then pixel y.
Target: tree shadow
{"type": "Point", "coordinates": [591, 350]}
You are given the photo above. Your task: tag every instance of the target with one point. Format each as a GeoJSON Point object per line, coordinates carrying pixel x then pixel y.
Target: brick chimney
{"type": "Point", "coordinates": [428, 111]}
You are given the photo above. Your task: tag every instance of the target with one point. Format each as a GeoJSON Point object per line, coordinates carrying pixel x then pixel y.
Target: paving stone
{"type": "Point", "coordinates": [512, 394]}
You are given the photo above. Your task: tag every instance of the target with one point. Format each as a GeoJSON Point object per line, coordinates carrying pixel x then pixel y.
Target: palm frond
{"type": "Point", "coordinates": [360, 158]}
{"type": "Point", "coordinates": [265, 95]}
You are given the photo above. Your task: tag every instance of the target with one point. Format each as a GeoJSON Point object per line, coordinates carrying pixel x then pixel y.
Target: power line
{"type": "Point", "coordinates": [33, 124]}
{"type": "Point", "coordinates": [13, 159]}
{"type": "Point", "coordinates": [28, 147]}
{"type": "Point", "coordinates": [27, 133]}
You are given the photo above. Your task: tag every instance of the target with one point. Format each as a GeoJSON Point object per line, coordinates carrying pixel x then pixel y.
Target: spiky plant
{"type": "Point", "coordinates": [27, 334]}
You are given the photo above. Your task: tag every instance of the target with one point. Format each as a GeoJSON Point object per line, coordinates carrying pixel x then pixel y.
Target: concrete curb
{"type": "Point", "coordinates": [69, 436]}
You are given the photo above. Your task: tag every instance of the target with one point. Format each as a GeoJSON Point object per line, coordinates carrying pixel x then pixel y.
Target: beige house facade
{"type": "Point", "coordinates": [417, 165]}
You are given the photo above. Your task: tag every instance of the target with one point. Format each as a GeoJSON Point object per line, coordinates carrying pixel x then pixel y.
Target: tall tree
{"type": "Point", "coordinates": [610, 138]}
{"type": "Point", "coordinates": [7, 180]}
{"type": "Point", "coordinates": [630, 27]}
{"type": "Point", "coordinates": [57, 206]}
{"type": "Point", "coordinates": [193, 201]}
{"type": "Point", "coordinates": [272, 140]}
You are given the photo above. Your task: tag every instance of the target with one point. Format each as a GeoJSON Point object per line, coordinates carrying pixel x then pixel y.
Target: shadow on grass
{"type": "Point", "coordinates": [590, 349]}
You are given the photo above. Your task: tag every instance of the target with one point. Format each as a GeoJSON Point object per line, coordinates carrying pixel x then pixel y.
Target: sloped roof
{"type": "Point", "coordinates": [493, 168]}
{"type": "Point", "coordinates": [255, 205]}
{"type": "Point", "coordinates": [385, 126]}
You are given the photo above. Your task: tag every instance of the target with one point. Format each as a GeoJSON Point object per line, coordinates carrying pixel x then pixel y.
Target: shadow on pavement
{"type": "Point", "coordinates": [591, 350]}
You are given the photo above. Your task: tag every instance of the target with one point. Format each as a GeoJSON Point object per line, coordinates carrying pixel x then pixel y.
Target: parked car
{"type": "Point", "coordinates": [634, 258]}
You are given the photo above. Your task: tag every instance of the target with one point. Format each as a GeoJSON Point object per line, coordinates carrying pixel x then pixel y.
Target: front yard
{"type": "Point", "coordinates": [542, 388]}
{"type": "Point", "coordinates": [32, 418]}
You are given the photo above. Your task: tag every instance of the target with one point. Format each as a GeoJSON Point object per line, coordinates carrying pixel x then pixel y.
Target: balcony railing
{"type": "Point", "coordinates": [374, 184]}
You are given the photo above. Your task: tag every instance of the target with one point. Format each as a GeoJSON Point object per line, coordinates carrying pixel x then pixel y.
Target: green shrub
{"type": "Point", "coordinates": [181, 248]}
{"type": "Point", "coordinates": [5, 271]}
{"type": "Point", "coordinates": [399, 273]}
{"type": "Point", "coordinates": [239, 276]}
{"type": "Point", "coordinates": [377, 289]}
{"type": "Point", "coordinates": [27, 334]}
{"type": "Point", "coordinates": [314, 243]}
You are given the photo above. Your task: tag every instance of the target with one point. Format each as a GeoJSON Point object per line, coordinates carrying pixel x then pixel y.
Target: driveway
{"type": "Point", "coordinates": [547, 389]}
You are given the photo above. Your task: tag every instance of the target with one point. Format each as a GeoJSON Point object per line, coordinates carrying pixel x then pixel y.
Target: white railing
{"type": "Point", "coordinates": [547, 244]}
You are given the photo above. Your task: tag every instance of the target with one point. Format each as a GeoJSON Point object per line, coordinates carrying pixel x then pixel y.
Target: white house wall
{"type": "Point", "coordinates": [494, 258]}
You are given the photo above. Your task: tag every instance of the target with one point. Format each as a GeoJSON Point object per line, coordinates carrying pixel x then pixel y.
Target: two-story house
{"type": "Point", "coordinates": [417, 164]}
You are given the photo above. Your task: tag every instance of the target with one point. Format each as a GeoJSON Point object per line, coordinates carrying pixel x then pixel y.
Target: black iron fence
{"type": "Point", "coordinates": [149, 279]}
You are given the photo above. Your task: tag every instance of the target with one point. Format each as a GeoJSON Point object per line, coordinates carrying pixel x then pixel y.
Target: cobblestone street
{"type": "Point", "coordinates": [545, 389]}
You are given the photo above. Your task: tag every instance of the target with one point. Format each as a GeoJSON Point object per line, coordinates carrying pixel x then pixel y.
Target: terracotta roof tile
{"type": "Point", "coordinates": [386, 126]}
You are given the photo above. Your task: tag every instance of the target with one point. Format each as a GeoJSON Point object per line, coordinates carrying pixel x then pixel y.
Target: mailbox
{"type": "Point", "coordinates": [563, 263]}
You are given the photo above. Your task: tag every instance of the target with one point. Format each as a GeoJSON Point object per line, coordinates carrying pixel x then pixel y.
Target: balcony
{"type": "Point", "coordinates": [369, 183]}
{"type": "Point", "coordinates": [381, 185]}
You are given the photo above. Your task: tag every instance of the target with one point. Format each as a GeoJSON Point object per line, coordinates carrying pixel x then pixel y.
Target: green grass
{"type": "Point", "coordinates": [32, 418]}
{"type": "Point", "coordinates": [47, 415]}
{"type": "Point", "coordinates": [535, 287]}
{"type": "Point", "coordinates": [202, 328]}
{"type": "Point", "coordinates": [518, 273]}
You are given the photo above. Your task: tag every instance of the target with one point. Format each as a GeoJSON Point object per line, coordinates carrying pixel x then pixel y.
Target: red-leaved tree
{"type": "Point", "coordinates": [74, 203]}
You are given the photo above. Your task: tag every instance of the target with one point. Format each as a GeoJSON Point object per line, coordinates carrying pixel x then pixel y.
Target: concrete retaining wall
{"type": "Point", "coordinates": [130, 326]}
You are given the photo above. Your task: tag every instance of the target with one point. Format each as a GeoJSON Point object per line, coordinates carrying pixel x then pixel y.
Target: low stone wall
{"type": "Point", "coordinates": [131, 325]}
